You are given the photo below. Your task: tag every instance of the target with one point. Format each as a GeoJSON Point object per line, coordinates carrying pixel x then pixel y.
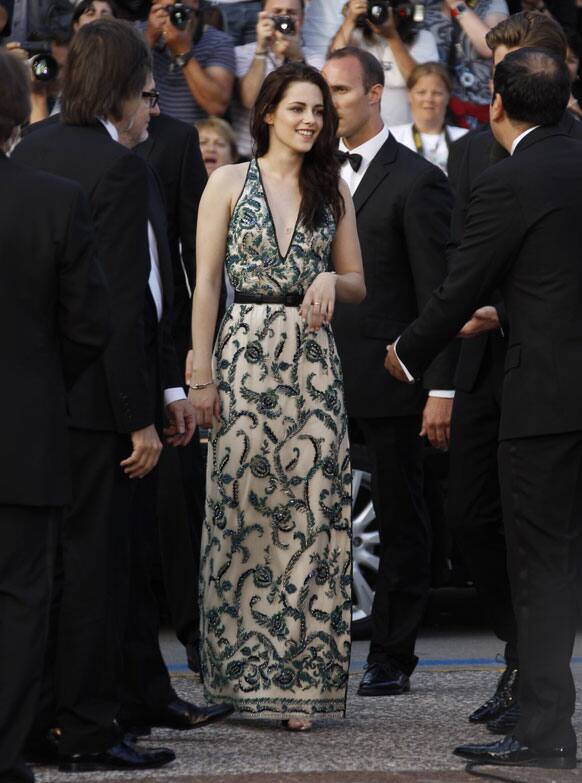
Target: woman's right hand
{"type": "Point", "coordinates": [356, 8]}
{"type": "Point", "coordinates": [206, 404]}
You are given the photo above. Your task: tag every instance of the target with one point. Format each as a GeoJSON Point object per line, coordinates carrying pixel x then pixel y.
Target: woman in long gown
{"type": "Point", "coordinates": [276, 551]}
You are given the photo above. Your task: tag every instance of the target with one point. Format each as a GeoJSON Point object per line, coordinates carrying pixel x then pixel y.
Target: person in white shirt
{"type": "Point", "coordinates": [398, 44]}
{"type": "Point", "coordinates": [429, 89]}
{"type": "Point", "coordinates": [322, 19]}
{"type": "Point", "coordinates": [278, 41]}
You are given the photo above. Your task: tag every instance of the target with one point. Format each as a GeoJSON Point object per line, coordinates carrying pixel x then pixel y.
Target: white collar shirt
{"type": "Point", "coordinates": [155, 277]}
{"type": "Point", "coordinates": [522, 136]}
{"type": "Point", "coordinates": [368, 150]}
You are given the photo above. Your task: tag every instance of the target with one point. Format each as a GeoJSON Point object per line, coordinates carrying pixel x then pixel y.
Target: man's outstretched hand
{"type": "Point", "coordinates": [485, 319]}
{"type": "Point", "coordinates": [393, 366]}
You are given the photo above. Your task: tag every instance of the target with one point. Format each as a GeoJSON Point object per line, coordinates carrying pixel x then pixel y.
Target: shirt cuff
{"type": "Point", "coordinates": [173, 395]}
{"type": "Point", "coordinates": [447, 394]}
{"type": "Point", "coordinates": [409, 377]}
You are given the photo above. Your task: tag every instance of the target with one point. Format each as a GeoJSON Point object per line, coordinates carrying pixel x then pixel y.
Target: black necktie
{"type": "Point", "coordinates": [353, 159]}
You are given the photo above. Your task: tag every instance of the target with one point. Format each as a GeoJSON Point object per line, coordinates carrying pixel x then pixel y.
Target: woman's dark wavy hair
{"type": "Point", "coordinates": [319, 176]}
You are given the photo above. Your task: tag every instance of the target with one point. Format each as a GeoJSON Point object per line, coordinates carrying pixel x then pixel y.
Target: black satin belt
{"type": "Point", "coordinates": [293, 299]}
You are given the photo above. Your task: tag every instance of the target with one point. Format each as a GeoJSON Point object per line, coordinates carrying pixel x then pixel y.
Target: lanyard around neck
{"type": "Point", "coordinates": [418, 139]}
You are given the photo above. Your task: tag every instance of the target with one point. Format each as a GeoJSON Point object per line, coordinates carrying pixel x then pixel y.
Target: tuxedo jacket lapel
{"type": "Point", "coordinates": [377, 171]}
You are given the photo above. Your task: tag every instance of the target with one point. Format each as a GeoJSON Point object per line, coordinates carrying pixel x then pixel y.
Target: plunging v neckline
{"type": "Point", "coordinates": [273, 225]}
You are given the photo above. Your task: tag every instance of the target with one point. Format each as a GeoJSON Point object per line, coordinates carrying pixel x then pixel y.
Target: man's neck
{"type": "Point", "coordinates": [513, 132]}
{"type": "Point", "coordinates": [364, 134]}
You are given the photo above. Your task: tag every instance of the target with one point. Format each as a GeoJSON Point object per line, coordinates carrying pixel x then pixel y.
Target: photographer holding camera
{"type": "Point", "coordinates": [193, 64]}
{"type": "Point", "coordinates": [278, 41]}
{"type": "Point", "coordinates": [389, 30]}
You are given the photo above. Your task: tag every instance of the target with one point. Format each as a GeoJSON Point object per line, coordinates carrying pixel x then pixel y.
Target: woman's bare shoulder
{"type": "Point", "coordinates": [228, 177]}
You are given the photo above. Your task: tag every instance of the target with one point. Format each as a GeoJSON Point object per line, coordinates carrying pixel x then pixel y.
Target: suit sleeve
{"type": "Point", "coordinates": [494, 232]}
{"type": "Point", "coordinates": [427, 215]}
{"type": "Point", "coordinates": [83, 304]}
{"type": "Point", "coordinates": [192, 183]}
{"type": "Point", "coordinates": [120, 204]}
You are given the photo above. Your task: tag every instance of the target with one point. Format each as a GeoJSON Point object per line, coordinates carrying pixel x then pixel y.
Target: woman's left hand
{"type": "Point", "coordinates": [319, 301]}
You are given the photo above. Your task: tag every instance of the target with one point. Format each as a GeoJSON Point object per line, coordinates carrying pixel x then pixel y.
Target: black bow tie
{"type": "Point", "coordinates": [353, 159]}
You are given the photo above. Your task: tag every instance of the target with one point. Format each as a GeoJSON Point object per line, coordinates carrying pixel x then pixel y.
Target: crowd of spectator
{"type": "Point", "coordinates": [212, 62]}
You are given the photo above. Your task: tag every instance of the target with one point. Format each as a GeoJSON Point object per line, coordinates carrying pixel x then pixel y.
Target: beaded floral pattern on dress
{"type": "Point", "coordinates": [276, 549]}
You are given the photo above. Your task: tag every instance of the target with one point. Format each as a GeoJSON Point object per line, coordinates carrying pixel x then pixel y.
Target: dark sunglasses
{"type": "Point", "coordinates": [152, 96]}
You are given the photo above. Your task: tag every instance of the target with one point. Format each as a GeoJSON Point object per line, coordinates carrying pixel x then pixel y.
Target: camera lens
{"type": "Point", "coordinates": [44, 67]}
{"type": "Point", "coordinates": [284, 24]}
{"type": "Point", "coordinates": [378, 12]}
{"type": "Point", "coordinates": [179, 15]}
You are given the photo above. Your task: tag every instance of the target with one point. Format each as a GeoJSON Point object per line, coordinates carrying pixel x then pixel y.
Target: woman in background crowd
{"type": "Point", "coordinates": [217, 143]}
{"type": "Point", "coordinates": [90, 10]}
{"type": "Point", "coordinates": [460, 29]}
{"type": "Point", "coordinates": [429, 91]}
{"type": "Point", "coordinates": [399, 44]}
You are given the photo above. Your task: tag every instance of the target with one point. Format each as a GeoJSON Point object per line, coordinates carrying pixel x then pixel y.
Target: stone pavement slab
{"type": "Point", "coordinates": [401, 739]}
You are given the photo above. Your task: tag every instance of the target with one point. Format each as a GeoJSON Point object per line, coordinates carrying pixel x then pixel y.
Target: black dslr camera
{"type": "Point", "coordinates": [284, 24]}
{"type": "Point", "coordinates": [43, 65]}
{"type": "Point", "coordinates": [379, 11]}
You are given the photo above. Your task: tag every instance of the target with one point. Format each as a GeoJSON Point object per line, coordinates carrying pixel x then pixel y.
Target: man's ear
{"type": "Point", "coordinates": [497, 112]}
{"type": "Point", "coordinates": [375, 93]}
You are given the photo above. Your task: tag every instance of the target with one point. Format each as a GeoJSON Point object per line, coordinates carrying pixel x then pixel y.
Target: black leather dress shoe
{"type": "Point", "coordinates": [510, 752]}
{"type": "Point", "coordinates": [122, 756]}
{"type": "Point", "coordinates": [183, 716]}
{"type": "Point", "coordinates": [383, 679]}
{"type": "Point", "coordinates": [20, 773]}
{"type": "Point", "coordinates": [504, 696]}
{"type": "Point", "coordinates": [506, 722]}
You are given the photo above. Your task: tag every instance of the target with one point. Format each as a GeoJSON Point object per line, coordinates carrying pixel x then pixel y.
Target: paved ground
{"type": "Point", "coordinates": [388, 740]}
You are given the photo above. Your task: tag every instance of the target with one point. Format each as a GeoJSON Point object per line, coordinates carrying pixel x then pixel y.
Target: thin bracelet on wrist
{"type": "Point", "coordinates": [198, 386]}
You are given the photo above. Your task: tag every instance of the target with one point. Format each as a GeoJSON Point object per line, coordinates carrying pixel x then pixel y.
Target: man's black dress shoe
{"type": "Point", "coordinates": [122, 756]}
{"type": "Point", "coordinates": [383, 679]}
{"type": "Point", "coordinates": [504, 696]}
{"type": "Point", "coordinates": [506, 722]}
{"type": "Point", "coordinates": [510, 752]}
{"type": "Point", "coordinates": [42, 749]}
{"type": "Point", "coordinates": [182, 715]}
{"type": "Point", "coordinates": [20, 773]}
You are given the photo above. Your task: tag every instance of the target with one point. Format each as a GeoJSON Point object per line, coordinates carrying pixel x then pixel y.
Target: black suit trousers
{"type": "Point", "coordinates": [146, 684]}
{"type": "Point", "coordinates": [541, 485]}
{"type": "Point", "coordinates": [26, 571]}
{"type": "Point", "coordinates": [80, 689]}
{"type": "Point", "coordinates": [180, 514]}
{"type": "Point", "coordinates": [403, 579]}
{"type": "Point", "coordinates": [474, 500]}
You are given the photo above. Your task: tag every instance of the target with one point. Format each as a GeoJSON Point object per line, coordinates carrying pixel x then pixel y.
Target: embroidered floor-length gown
{"type": "Point", "coordinates": [276, 548]}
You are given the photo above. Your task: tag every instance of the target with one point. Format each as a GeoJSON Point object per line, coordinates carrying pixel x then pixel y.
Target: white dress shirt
{"type": "Point", "coordinates": [155, 279]}
{"type": "Point", "coordinates": [368, 150]}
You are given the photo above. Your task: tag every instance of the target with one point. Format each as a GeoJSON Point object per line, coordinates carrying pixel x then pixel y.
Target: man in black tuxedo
{"type": "Point", "coordinates": [113, 408]}
{"type": "Point", "coordinates": [474, 504]}
{"type": "Point", "coordinates": [173, 152]}
{"type": "Point", "coordinates": [54, 324]}
{"type": "Point", "coordinates": [521, 237]}
{"type": "Point", "coordinates": [403, 210]}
